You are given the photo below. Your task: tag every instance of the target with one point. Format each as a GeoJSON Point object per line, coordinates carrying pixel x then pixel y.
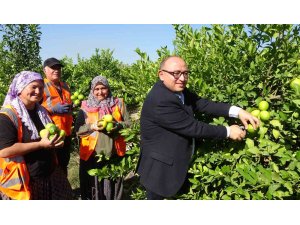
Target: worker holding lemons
{"type": "Point", "coordinates": [97, 124]}
{"type": "Point", "coordinates": [57, 100]}
{"type": "Point", "coordinates": [28, 163]}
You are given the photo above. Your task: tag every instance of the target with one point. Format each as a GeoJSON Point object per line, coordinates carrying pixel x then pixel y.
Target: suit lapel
{"type": "Point", "coordinates": [187, 104]}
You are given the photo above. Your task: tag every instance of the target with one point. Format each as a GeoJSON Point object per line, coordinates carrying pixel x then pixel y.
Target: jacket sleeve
{"type": "Point", "coordinates": [208, 107]}
{"type": "Point", "coordinates": [80, 127]}
{"type": "Point", "coordinates": [171, 115]}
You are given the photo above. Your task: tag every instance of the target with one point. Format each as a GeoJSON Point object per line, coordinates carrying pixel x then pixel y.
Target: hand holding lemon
{"type": "Point", "coordinates": [106, 123]}
{"type": "Point", "coordinates": [51, 130]}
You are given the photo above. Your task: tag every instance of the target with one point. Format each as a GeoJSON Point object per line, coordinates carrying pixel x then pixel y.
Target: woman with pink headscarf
{"type": "Point", "coordinates": [95, 141]}
{"type": "Point", "coordinates": [28, 164]}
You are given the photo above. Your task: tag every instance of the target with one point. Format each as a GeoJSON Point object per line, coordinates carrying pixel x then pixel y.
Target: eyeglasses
{"type": "Point", "coordinates": [177, 74]}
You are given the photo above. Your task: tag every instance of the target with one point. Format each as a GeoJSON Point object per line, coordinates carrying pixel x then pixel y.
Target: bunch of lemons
{"type": "Point", "coordinates": [260, 113]}
{"type": "Point", "coordinates": [106, 122]}
{"type": "Point", "coordinates": [77, 97]}
{"type": "Point", "coordinates": [50, 130]}
{"type": "Point", "coordinates": [264, 115]}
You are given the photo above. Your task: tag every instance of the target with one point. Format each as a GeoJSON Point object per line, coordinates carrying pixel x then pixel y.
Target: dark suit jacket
{"type": "Point", "coordinates": [167, 130]}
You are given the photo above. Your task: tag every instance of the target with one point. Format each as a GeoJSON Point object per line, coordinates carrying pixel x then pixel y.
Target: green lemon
{"type": "Point", "coordinates": [44, 133]}
{"type": "Point", "coordinates": [52, 128]}
{"type": "Point", "coordinates": [62, 134]}
{"type": "Point", "coordinates": [265, 115]}
{"type": "Point", "coordinates": [250, 129]}
{"type": "Point", "coordinates": [77, 102]}
{"type": "Point", "coordinates": [51, 136]}
{"type": "Point", "coordinates": [263, 105]}
{"type": "Point", "coordinates": [76, 93]}
{"type": "Point", "coordinates": [255, 113]}
{"type": "Point", "coordinates": [275, 133]}
{"type": "Point", "coordinates": [80, 96]}
{"type": "Point", "coordinates": [108, 118]}
{"type": "Point", "coordinates": [49, 125]}
{"type": "Point", "coordinates": [109, 127]}
{"type": "Point", "coordinates": [73, 97]}
{"type": "Point", "coordinates": [294, 83]}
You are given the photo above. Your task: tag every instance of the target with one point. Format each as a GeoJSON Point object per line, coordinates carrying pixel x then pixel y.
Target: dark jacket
{"type": "Point", "coordinates": [167, 130]}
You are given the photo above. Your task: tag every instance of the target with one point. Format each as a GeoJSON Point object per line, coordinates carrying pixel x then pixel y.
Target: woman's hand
{"type": "Point", "coordinates": [117, 126]}
{"type": "Point", "coordinates": [55, 142]}
{"type": "Point", "coordinates": [95, 127]}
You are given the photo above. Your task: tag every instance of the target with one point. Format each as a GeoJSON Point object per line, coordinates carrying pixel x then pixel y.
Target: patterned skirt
{"type": "Point", "coordinates": [55, 187]}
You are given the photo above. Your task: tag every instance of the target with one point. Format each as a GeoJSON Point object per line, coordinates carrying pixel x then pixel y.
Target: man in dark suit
{"type": "Point", "coordinates": [168, 129]}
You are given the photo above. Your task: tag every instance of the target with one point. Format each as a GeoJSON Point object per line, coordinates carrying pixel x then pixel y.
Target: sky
{"type": "Point", "coordinates": [59, 40]}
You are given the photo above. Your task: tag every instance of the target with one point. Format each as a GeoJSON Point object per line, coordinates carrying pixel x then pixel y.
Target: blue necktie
{"type": "Point", "coordinates": [181, 97]}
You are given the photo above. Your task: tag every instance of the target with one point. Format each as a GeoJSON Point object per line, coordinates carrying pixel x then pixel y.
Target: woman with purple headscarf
{"type": "Point", "coordinates": [28, 167]}
{"type": "Point", "coordinates": [96, 141]}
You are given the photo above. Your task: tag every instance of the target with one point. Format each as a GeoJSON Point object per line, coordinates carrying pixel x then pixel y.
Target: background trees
{"type": "Point", "coordinates": [19, 50]}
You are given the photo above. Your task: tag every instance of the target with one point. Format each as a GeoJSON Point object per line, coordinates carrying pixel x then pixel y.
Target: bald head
{"type": "Point", "coordinates": [168, 59]}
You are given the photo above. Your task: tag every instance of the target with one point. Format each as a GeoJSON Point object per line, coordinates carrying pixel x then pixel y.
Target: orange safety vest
{"type": "Point", "coordinates": [14, 176]}
{"type": "Point", "coordinates": [51, 97]}
{"type": "Point", "coordinates": [88, 143]}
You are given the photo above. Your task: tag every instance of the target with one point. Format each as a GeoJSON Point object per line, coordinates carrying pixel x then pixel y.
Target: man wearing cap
{"type": "Point", "coordinates": [57, 100]}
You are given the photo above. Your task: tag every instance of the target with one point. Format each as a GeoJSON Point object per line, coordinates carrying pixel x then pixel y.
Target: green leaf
{"type": "Point", "coordinates": [276, 123]}
{"type": "Point", "coordinates": [93, 172]}
{"type": "Point", "coordinates": [262, 131]}
{"type": "Point", "coordinates": [297, 102]}
{"type": "Point", "coordinates": [274, 167]}
{"type": "Point", "coordinates": [289, 186]}
{"type": "Point", "coordinates": [129, 137]}
{"type": "Point", "coordinates": [254, 151]}
{"type": "Point", "coordinates": [194, 181]}
{"type": "Point", "coordinates": [248, 175]}
{"type": "Point", "coordinates": [266, 175]}
{"type": "Point", "coordinates": [249, 143]}
{"type": "Point", "coordinates": [273, 188]}
{"type": "Point", "coordinates": [225, 169]}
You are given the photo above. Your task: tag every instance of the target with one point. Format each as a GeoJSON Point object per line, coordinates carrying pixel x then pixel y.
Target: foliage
{"type": "Point", "coordinates": [19, 50]}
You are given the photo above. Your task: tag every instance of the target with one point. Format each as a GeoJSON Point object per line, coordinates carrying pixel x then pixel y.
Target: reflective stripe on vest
{"type": "Point", "coordinates": [51, 97]}
{"type": "Point", "coordinates": [14, 177]}
{"type": "Point", "coordinates": [88, 143]}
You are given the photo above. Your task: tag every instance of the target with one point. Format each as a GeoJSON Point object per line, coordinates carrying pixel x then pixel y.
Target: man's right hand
{"type": "Point", "coordinates": [61, 108]}
{"type": "Point", "coordinates": [236, 133]}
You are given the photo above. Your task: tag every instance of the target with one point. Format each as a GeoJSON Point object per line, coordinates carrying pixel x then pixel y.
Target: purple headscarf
{"type": "Point", "coordinates": [20, 81]}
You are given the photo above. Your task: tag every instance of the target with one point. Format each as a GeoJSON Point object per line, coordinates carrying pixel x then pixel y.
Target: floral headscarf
{"type": "Point", "coordinates": [20, 81]}
{"type": "Point", "coordinates": [104, 106]}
